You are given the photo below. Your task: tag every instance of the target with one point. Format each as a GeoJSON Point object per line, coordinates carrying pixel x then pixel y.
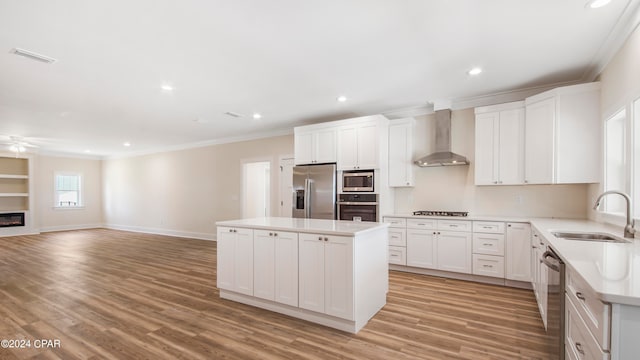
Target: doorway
{"type": "Point", "coordinates": [256, 189]}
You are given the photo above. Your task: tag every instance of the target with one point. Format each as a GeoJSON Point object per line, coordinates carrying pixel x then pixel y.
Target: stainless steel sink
{"type": "Point", "coordinates": [588, 236]}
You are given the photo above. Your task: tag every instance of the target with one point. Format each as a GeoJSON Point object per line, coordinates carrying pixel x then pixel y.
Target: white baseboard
{"type": "Point", "coordinates": [70, 227]}
{"type": "Point", "coordinates": [157, 231]}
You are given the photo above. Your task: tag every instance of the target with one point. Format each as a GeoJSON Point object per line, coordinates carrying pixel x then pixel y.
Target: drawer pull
{"type": "Point", "coordinates": [453, 225]}
{"type": "Point", "coordinates": [420, 224]}
{"type": "Point", "coordinates": [487, 266]}
{"type": "Point", "coordinates": [487, 227]}
{"type": "Point", "coordinates": [270, 234]}
{"type": "Point", "coordinates": [326, 239]}
{"type": "Point", "coordinates": [487, 244]}
{"type": "Point", "coordinates": [320, 238]}
{"type": "Point", "coordinates": [394, 236]}
{"type": "Point", "coordinates": [580, 296]}
{"type": "Point", "coordinates": [579, 348]}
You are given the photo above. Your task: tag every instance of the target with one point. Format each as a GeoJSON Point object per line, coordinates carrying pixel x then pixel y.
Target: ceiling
{"type": "Point", "coordinates": [286, 59]}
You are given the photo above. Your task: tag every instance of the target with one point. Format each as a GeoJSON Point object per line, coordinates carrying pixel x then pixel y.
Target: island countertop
{"type": "Point", "coordinates": [329, 227]}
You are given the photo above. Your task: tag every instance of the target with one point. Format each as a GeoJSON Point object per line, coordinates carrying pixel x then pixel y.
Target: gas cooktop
{"type": "Point", "coordinates": [439, 213]}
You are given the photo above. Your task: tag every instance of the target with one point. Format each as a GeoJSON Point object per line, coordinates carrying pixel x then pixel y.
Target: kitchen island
{"type": "Point", "coordinates": [329, 272]}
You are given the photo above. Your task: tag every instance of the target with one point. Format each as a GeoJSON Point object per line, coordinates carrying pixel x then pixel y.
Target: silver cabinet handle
{"type": "Point", "coordinates": [580, 296]}
{"type": "Point", "coordinates": [487, 266]}
{"type": "Point", "coordinates": [320, 238]}
{"type": "Point", "coordinates": [270, 234]}
{"type": "Point", "coordinates": [579, 348]}
{"type": "Point", "coordinates": [453, 225]}
{"type": "Point", "coordinates": [326, 239]}
{"type": "Point", "coordinates": [487, 244]}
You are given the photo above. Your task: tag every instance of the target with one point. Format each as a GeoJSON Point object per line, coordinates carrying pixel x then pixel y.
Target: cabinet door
{"type": "Point", "coordinates": [347, 148]}
{"type": "Point", "coordinates": [511, 154]}
{"type": "Point", "coordinates": [421, 248]}
{"type": "Point", "coordinates": [243, 261]}
{"type": "Point", "coordinates": [264, 264]}
{"type": "Point", "coordinates": [225, 258]}
{"type": "Point", "coordinates": [518, 252]}
{"type": "Point", "coordinates": [311, 272]}
{"type": "Point", "coordinates": [367, 146]}
{"type": "Point", "coordinates": [539, 142]}
{"type": "Point", "coordinates": [454, 251]}
{"type": "Point", "coordinates": [286, 268]}
{"type": "Point", "coordinates": [338, 277]}
{"type": "Point", "coordinates": [303, 147]}
{"type": "Point", "coordinates": [401, 153]}
{"type": "Point", "coordinates": [486, 169]}
{"type": "Point", "coordinates": [325, 146]}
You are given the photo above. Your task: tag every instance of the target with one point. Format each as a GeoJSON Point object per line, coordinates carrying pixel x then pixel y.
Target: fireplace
{"type": "Point", "coordinates": [11, 219]}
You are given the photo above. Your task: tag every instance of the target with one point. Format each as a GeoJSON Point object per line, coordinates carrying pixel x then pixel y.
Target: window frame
{"type": "Point", "coordinates": [56, 202]}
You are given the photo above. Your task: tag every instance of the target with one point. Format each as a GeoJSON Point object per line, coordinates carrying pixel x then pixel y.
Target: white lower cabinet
{"type": "Point", "coordinates": [398, 255]}
{"type": "Point", "coordinates": [518, 252]}
{"type": "Point", "coordinates": [275, 266]}
{"type": "Point", "coordinates": [235, 259]}
{"type": "Point", "coordinates": [540, 272]}
{"type": "Point", "coordinates": [454, 251]}
{"type": "Point", "coordinates": [579, 341]}
{"type": "Point", "coordinates": [421, 248]}
{"type": "Point", "coordinates": [488, 265]}
{"type": "Point", "coordinates": [326, 268]}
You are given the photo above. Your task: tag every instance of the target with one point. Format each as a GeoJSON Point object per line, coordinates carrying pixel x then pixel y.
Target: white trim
{"type": "Point", "coordinates": [158, 231]}
{"type": "Point", "coordinates": [81, 207]}
{"type": "Point", "coordinates": [45, 229]}
{"type": "Point", "coordinates": [61, 154]}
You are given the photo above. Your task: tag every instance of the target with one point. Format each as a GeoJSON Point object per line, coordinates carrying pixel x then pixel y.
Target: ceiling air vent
{"type": "Point", "coordinates": [33, 56]}
{"type": "Point", "coordinates": [233, 114]}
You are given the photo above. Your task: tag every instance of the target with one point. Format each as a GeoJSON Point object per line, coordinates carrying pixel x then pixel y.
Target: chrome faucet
{"type": "Point", "coordinates": [628, 229]}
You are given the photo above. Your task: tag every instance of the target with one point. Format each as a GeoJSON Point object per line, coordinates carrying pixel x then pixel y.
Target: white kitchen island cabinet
{"type": "Point", "coordinates": [333, 273]}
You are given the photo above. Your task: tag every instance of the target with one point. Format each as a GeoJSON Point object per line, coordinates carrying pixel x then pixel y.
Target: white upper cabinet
{"type": "Point", "coordinates": [358, 146]}
{"type": "Point", "coordinates": [562, 135]}
{"type": "Point", "coordinates": [401, 152]}
{"type": "Point", "coordinates": [315, 145]}
{"type": "Point", "coordinates": [499, 157]}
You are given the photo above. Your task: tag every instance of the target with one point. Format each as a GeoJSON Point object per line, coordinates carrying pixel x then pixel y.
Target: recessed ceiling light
{"type": "Point", "coordinates": [341, 98]}
{"type": "Point", "coordinates": [594, 4]}
{"type": "Point", "coordinates": [257, 116]}
{"type": "Point", "coordinates": [87, 151]}
{"type": "Point", "coordinates": [127, 144]}
{"type": "Point", "coordinates": [166, 87]}
{"type": "Point", "coordinates": [474, 71]}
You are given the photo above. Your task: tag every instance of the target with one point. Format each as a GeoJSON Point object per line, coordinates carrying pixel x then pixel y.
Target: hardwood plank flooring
{"type": "Point", "coordinates": [109, 294]}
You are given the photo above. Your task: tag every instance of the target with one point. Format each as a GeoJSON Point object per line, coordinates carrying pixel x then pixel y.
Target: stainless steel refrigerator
{"type": "Point", "coordinates": [314, 191]}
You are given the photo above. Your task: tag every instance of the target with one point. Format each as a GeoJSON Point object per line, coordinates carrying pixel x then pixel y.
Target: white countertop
{"type": "Point", "coordinates": [329, 227]}
{"type": "Point", "coordinates": [611, 269]}
{"type": "Point", "coordinates": [470, 217]}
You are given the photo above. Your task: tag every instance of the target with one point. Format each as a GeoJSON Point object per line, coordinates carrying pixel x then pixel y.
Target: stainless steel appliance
{"type": "Point", "coordinates": [555, 303]}
{"type": "Point", "coordinates": [357, 181]}
{"type": "Point", "coordinates": [358, 207]}
{"type": "Point", "coordinates": [439, 213]}
{"type": "Point", "coordinates": [314, 191]}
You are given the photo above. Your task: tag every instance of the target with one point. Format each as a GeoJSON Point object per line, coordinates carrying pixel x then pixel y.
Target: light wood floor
{"type": "Point", "coordinates": [120, 295]}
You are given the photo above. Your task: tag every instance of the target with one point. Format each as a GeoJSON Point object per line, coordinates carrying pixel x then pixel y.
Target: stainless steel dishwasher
{"type": "Point", "coordinates": [555, 303]}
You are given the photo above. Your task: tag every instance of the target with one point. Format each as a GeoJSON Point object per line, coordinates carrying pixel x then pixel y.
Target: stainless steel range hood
{"type": "Point", "coordinates": [443, 155]}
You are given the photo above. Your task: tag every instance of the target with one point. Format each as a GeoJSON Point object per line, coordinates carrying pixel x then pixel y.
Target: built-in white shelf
{"type": "Point", "coordinates": [11, 176]}
{"type": "Point", "coordinates": [14, 194]}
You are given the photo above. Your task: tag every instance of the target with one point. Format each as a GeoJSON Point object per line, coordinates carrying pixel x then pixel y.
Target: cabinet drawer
{"type": "Point", "coordinates": [488, 227]}
{"type": "Point", "coordinates": [427, 224]}
{"type": "Point", "coordinates": [595, 313]}
{"type": "Point", "coordinates": [488, 265]}
{"type": "Point", "coordinates": [488, 244]}
{"type": "Point", "coordinates": [397, 237]}
{"type": "Point", "coordinates": [579, 342]}
{"type": "Point", "coordinates": [395, 222]}
{"type": "Point", "coordinates": [397, 255]}
{"type": "Point", "coordinates": [454, 225]}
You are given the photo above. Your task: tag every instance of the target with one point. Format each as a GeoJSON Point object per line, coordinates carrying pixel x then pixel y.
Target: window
{"type": "Point", "coordinates": [615, 175]}
{"type": "Point", "coordinates": [68, 190]}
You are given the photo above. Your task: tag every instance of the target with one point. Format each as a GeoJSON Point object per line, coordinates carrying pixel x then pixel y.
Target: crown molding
{"type": "Point", "coordinates": [221, 141]}
{"type": "Point", "coordinates": [627, 23]}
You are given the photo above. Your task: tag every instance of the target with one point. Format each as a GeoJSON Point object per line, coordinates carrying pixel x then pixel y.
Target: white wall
{"type": "Point", "coordinates": [452, 188]}
{"type": "Point", "coordinates": [185, 192]}
{"type": "Point", "coordinates": [50, 219]}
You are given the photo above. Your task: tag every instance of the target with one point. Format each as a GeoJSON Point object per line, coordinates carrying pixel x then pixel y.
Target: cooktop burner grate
{"type": "Point", "coordinates": [439, 213]}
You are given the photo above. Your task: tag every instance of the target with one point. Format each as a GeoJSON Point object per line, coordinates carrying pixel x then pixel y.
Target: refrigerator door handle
{"type": "Point", "coordinates": [307, 187]}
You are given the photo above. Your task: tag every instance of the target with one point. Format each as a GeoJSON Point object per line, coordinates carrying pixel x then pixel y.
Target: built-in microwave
{"type": "Point", "coordinates": [357, 181]}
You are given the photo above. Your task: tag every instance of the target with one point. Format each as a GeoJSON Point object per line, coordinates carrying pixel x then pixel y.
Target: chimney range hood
{"type": "Point", "coordinates": [443, 155]}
